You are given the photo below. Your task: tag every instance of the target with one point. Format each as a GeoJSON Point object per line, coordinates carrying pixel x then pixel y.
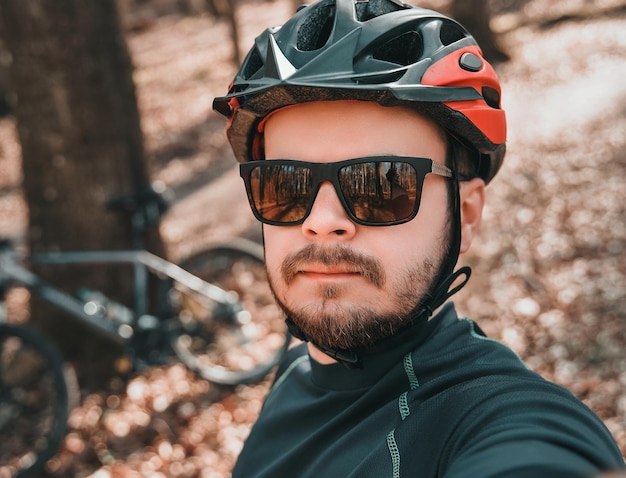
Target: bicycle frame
{"type": "Point", "coordinates": [11, 270]}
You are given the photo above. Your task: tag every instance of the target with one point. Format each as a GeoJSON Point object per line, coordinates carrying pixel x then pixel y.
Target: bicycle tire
{"type": "Point", "coordinates": [224, 349]}
{"type": "Point", "coordinates": [34, 401]}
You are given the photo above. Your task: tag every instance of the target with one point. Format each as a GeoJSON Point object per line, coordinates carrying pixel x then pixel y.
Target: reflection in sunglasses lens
{"type": "Point", "coordinates": [379, 191]}
{"type": "Point", "coordinates": [281, 193]}
{"type": "Point", "coordinates": [375, 192]}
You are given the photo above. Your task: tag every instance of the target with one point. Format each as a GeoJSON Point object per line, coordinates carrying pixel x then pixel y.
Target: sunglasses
{"type": "Point", "coordinates": [374, 191]}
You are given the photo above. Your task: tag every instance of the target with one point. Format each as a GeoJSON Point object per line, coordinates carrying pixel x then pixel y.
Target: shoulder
{"type": "Point", "coordinates": [487, 404]}
{"type": "Point", "coordinates": [459, 363]}
{"type": "Point", "coordinates": [294, 361]}
{"type": "Point", "coordinates": [458, 347]}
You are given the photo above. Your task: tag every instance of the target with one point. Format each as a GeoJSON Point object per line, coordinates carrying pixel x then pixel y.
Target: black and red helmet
{"type": "Point", "coordinates": [378, 50]}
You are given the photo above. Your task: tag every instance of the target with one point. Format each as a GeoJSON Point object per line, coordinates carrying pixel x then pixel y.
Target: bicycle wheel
{"type": "Point", "coordinates": [34, 402]}
{"type": "Point", "coordinates": [229, 343]}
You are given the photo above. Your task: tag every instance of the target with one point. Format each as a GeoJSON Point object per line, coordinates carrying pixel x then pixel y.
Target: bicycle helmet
{"type": "Point", "coordinates": [377, 50]}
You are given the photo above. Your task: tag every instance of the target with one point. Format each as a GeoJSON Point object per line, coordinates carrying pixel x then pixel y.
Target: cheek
{"type": "Point", "coordinates": [412, 242]}
{"type": "Point", "coordinates": [397, 252]}
{"type": "Point", "coordinates": [277, 246]}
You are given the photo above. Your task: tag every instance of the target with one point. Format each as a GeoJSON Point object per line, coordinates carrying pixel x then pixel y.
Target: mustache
{"type": "Point", "coordinates": [368, 267]}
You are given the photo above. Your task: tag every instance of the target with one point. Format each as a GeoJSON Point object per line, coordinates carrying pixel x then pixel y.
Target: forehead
{"type": "Point", "coordinates": [347, 129]}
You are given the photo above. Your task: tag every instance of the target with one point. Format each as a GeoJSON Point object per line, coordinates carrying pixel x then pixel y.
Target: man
{"type": "Point", "coordinates": [367, 132]}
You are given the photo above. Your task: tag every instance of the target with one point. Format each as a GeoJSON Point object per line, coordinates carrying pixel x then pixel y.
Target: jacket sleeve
{"type": "Point", "coordinates": [540, 430]}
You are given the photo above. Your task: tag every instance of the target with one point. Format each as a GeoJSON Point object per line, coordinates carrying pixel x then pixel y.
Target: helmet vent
{"type": "Point", "coordinates": [451, 32]}
{"type": "Point", "coordinates": [492, 97]}
{"type": "Point", "coordinates": [253, 64]}
{"type": "Point", "coordinates": [366, 10]}
{"type": "Point", "coordinates": [316, 29]}
{"type": "Point", "coordinates": [402, 50]}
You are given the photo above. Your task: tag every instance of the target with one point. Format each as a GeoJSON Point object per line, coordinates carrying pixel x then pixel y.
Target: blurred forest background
{"type": "Point", "coordinates": [92, 104]}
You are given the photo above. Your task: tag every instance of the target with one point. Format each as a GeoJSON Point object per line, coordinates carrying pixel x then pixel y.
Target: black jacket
{"type": "Point", "coordinates": [441, 400]}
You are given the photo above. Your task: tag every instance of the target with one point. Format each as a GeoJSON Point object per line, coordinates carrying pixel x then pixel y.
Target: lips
{"type": "Point", "coordinates": [332, 263]}
{"type": "Point", "coordinates": [330, 271]}
{"type": "Point", "coordinates": [329, 277]}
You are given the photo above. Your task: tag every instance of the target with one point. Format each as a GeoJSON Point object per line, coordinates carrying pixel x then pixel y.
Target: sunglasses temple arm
{"type": "Point", "coordinates": [442, 170]}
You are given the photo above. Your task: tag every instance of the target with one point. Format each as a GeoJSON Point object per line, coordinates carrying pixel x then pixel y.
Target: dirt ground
{"type": "Point", "coordinates": [549, 263]}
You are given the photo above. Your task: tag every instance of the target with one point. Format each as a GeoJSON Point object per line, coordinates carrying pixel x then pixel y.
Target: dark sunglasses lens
{"type": "Point", "coordinates": [380, 192]}
{"type": "Point", "coordinates": [281, 193]}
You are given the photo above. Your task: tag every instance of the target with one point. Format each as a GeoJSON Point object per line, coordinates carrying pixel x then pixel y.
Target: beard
{"type": "Point", "coordinates": [344, 325]}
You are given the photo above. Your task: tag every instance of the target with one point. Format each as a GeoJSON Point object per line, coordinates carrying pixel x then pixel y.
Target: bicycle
{"type": "Point", "coordinates": [218, 318]}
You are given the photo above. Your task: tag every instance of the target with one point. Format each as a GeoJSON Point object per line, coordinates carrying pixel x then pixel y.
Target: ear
{"type": "Point", "coordinates": [472, 196]}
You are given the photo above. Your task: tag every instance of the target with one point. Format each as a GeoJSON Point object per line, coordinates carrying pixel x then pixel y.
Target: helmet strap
{"type": "Point", "coordinates": [442, 290]}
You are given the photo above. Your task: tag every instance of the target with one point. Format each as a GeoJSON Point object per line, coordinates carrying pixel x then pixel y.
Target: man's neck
{"type": "Point", "coordinates": [319, 356]}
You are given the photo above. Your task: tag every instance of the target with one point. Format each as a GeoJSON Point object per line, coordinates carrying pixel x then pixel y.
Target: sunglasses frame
{"type": "Point", "coordinates": [330, 172]}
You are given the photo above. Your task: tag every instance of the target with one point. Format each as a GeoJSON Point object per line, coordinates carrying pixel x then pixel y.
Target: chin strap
{"type": "Point", "coordinates": [443, 292]}
{"type": "Point", "coordinates": [347, 357]}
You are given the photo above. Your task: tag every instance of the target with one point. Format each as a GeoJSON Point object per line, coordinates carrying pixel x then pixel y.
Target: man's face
{"type": "Point", "coordinates": [348, 285]}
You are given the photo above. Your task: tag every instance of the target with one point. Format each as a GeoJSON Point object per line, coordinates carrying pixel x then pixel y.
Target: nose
{"type": "Point", "coordinates": [328, 219]}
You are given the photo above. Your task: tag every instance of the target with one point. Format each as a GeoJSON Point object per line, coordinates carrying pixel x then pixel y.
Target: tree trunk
{"type": "Point", "coordinates": [475, 15]}
{"type": "Point", "coordinates": [79, 128]}
{"type": "Point", "coordinates": [5, 101]}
